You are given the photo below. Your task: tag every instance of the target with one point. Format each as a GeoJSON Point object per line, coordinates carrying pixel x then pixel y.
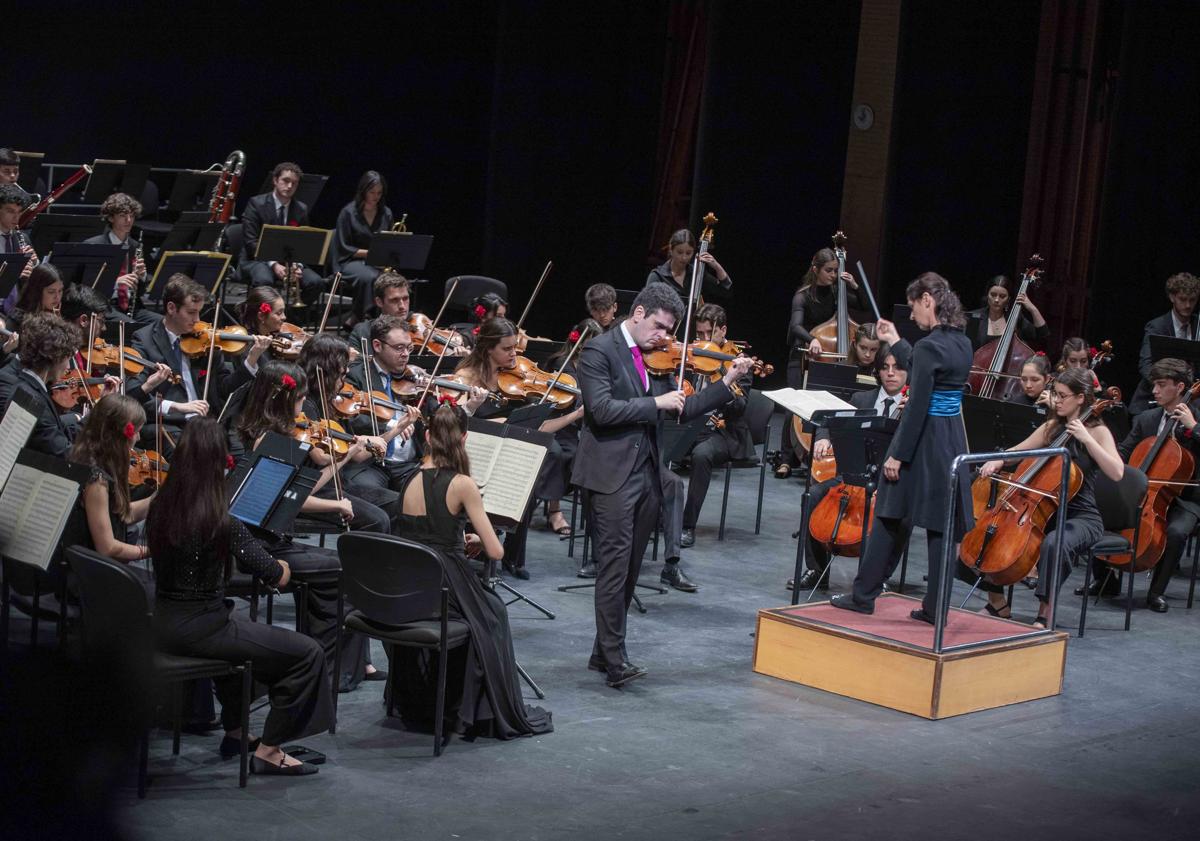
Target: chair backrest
{"type": "Point", "coordinates": [1118, 501]}
{"type": "Point", "coordinates": [389, 579]}
{"type": "Point", "coordinates": [115, 611]}
{"type": "Point", "coordinates": [233, 242]}
{"type": "Point", "coordinates": [470, 287]}
{"type": "Point", "coordinates": [758, 415]}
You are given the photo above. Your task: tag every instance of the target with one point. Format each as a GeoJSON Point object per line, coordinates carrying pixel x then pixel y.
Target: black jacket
{"type": "Point", "coordinates": [260, 210]}
{"type": "Point", "coordinates": [1163, 325]}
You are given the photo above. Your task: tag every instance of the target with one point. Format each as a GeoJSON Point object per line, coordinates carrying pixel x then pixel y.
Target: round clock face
{"type": "Point", "coordinates": [863, 116]}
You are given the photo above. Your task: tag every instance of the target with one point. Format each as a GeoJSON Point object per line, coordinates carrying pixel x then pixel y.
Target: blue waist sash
{"type": "Point", "coordinates": [945, 404]}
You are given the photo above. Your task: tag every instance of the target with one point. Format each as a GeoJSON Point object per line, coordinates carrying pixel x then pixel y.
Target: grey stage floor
{"type": "Point", "coordinates": [704, 748]}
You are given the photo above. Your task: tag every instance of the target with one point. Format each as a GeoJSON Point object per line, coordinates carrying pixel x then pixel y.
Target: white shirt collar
{"type": "Point", "coordinates": [115, 240]}
{"type": "Point", "coordinates": [883, 395]}
{"type": "Point", "coordinates": [628, 338]}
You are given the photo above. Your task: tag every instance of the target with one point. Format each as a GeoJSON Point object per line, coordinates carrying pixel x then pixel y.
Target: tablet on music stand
{"type": "Point", "coordinates": [49, 228]}
{"type": "Point", "coordinates": [260, 490]}
{"type": "Point", "coordinates": [400, 251]}
{"type": "Point", "coordinates": [95, 265]}
{"type": "Point", "coordinates": [205, 267]}
{"type": "Point", "coordinates": [110, 177]}
{"type": "Point", "coordinates": [307, 191]}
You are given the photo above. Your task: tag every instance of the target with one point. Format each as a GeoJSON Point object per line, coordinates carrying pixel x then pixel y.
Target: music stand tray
{"type": "Point", "coordinates": [678, 438]}
{"type": "Point", "coordinates": [95, 265]}
{"type": "Point", "coordinates": [1164, 347]}
{"type": "Point", "coordinates": [110, 177]}
{"type": "Point", "coordinates": [307, 191]}
{"type": "Point", "coordinates": [294, 244]}
{"type": "Point", "coordinates": [49, 228]}
{"type": "Point", "coordinates": [400, 251]}
{"type": "Point", "coordinates": [993, 425]}
{"type": "Point", "coordinates": [205, 267]}
{"type": "Point", "coordinates": [192, 236]}
{"type": "Point", "coordinates": [190, 192]}
{"type": "Point", "coordinates": [837, 378]}
{"type": "Point", "coordinates": [861, 442]}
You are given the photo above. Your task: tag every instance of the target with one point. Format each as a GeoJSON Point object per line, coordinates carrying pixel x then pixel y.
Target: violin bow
{"type": "Point", "coordinates": [433, 375]}
{"type": "Point", "coordinates": [337, 281]}
{"type": "Point", "coordinates": [83, 378]}
{"type": "Point", "coordinates": [99, 274]}
{"type": "Point", "coordinates": [91, 342]}
{"type": "Point", "coordinates": [212, 347]}
{"type": "Point", "coordinates": [121, 353]}
{"type": "Point", "coordinates": [223, 408]}
{"type": "Point", "coordinates": [558, 373]}
{"type": "Point", "coordinates": [433, 324]}
{"type": "Point", "coordinates": [367, 361]}
{"type": "Point", "coordinates": [534, 294]}
{"type": "Point", "coordinates": [862, 274]}
{"type": "Point", "coordinates": [337, 479]}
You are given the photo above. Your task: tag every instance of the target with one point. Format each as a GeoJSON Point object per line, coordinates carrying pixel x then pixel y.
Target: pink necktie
{"type": "Point", "coordinates": [640, 365]}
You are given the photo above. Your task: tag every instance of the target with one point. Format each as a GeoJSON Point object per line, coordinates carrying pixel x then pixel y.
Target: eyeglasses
{"type": "Point", "coordinates": [399, 348]}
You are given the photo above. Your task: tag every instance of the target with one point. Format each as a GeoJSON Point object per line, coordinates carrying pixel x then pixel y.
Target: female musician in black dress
{"type": "Point", "coordinates": [1035, 382]}
{"type": "Point", "coordinates": [676, 272]}
{"type": "Point", "coordinates": [436, 508]}
{"type": "Point", "coordinates": [357, 221]}
{"type": "Point", "coordinates": [931, 434]}
{"type": "Point", "coordinates": [993, 315]}
{"type": "Point", "coordinates": [195, 545]}
{"type": "Point", "coordinates": [815, 302]}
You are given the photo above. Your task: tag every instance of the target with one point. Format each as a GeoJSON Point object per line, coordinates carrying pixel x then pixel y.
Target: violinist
{"type": "Point", "coordinates": [41, 293]}
{"type": "Point", "coordinates": [1171, 378]}
{"type": "Point", "coordinates": [482, 308]}
{"type": "Point", "coordinates": [393, 295]}
{"type": "Point", "coordinates": [992, 317]}
{"type": "Point", "coordinates": [1182, 322]}
{"type": "Point", "coordinates": [356, 223]}
{"type": "Point", "coordinates": [676, 272]}
{"type": "Point", "coordinates": [1035, 382]}
{"type": "Point", "coordinates": [602, 304]}
{"type": "Point", "coordinates": [47, 345]}
{"type": "Point", "coordinates": [278, 207]}
{"type": "Point", "coordinates": [715, 445]}
{"type": "Point", "coordinates": [120, 211]}
{"type": "Point", "coordinates": [886, 400]}
{"type": "Point", "coordinates": [815, 302]}
{"type": "Point", "coordinates": [914, 490]}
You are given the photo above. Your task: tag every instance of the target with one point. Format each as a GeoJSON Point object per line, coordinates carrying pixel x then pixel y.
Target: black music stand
{"type": "Point", "coordinates": [186, 235]}
{"type": "Point", "coordinates": [399, 251]}
{"type": "Point", "coordinates": [1170, 347]}
{"type": "Point", "coordinates": [95, 265]}
{"type": "Point", "coordinates": [190, 193]}
{"type": "Point", "coordinates": [49, 228]}
{"type": "Point", "coordinates": [837, 378]}
{"type": "Point", "coordinates": [307, 191]}
{"type": "Point", "coordinates": [11, 266]}
{"type": "Point", "coordinates": [993, 425]}
{"type": "Point", "coordinates": [110, 177]}
{"type": "Point", "coordinates": [31, 167]}
{"type": "Point", "coordinates": [205, 267]}
{"type": "Point", "coordinates": [531, 416]}
{"type": "Point", "coordinates": [293, 245]}
{"type": "Point", "coordinates": [268, 486]}
{"type": "Point", "coordinates": [905, 326]}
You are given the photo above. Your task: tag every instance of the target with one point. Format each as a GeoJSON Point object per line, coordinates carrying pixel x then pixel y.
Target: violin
{"type": "Point", "coordinates": [835, 334]}
{"type": "Point", "coordinates": [109, 356]}
{"type": "Point", "coordinates": [351, 402]}
{"type": "Point", "coordinates": [68, 392]}
{"type": "Point", "coordinates": [703, 357]}
{"type": "Point", "coordinates": [1003, 357]}
{"type": "Point", "coordinates": [526, 379]}
{"type": "Point", "coordinates": [1012, 512]}
{"type": "Point", "coordinates": [287, 343]}
{"type": "Point", "coordinates": [231, 339]}
{"type": "Point", "coordinates": [330, 436]}
{"type": "Point", "coordinates": [146, 467]}
{"type": "Point", "coordinates": [430, 340]}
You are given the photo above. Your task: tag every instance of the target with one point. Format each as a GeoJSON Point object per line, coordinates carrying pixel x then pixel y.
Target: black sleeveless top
{"type": "Point", "coordinates": [1083, 504]}
{"type": "Point", "coordinates": [437, 527]}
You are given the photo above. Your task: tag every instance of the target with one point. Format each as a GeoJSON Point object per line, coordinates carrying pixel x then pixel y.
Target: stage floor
{"type": "Point", "coordinates": [704, 748]}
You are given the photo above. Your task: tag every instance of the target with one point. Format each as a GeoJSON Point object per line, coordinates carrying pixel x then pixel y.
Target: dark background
{"type": "Point", "coordinates": [523, 132]}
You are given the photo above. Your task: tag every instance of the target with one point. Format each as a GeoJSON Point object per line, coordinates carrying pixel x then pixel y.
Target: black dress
{"type": "Point", "coordinates": [490, 702]}
{"type": "Point", "coordinates": [352, 233]}
{"type": "Point", "coordinates": [1035, 337]}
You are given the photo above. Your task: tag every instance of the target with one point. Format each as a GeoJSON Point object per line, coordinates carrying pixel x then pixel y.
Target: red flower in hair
{"type": "Point", "coordinates": [475, 332]}
{"type": "Point", "coordinates": [265, 308]}
{"type": "Point", "coordinates": [904, 391]}
{"type": "Point", "coordinates": [447, 398]}
{"type": "Point", "coordinates": [130, 431]}
{"type": "Point", "coordinates": [1092, 353]}
{"type": "Point", "coordinates": [229, 463]}
{"type": "Point", "coordinates": [287, 382]}
{"type": "Point", "coordinates": [1040, 353]}
{"type": "Point", "coordinates": [480, 311]}
{"type": "Point", "coordinates": [574, 337]}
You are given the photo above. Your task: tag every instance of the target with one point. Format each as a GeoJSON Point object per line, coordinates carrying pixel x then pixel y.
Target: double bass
{"type": "Point", "coordinates": [996, 366]}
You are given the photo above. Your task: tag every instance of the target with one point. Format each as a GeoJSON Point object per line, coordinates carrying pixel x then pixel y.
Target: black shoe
{"type": "Point", "coordinates": [261, 766]}
{"type": "Point", "coordinates": [623, 674]}
{"type": "Point", "coordinates": [672, 576]}
{"type": "Point", "coordinates": [232, 747]}
{"type": "Point", "coordinates": [847, 602]}
{"type": "Point", "coordinates": [378, 674]}
{"type": "Point", "coordinates": [921, 616]}
{"type": "Point", "coordinates": [687, 539]}
{"type": "Point", "coordinates": [814, 578]}
{"type": "Point", "coordinates": [1112, 588]}
{"type": "Point", "coordinates": [515, 572]}
{"type": "Point", "coordinates": [588, 570]}
{"type": "Point", "coordinates": [1157, 603]}
{"type": "Point", "coordinates": [885, 587]}
{"type": "Point", "coordinates": [597, 664]}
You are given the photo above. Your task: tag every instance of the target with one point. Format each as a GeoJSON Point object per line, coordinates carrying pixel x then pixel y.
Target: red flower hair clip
{"type": "Point", "coordinates": [1092, 351]}
{"type": "Point", "coordinates": [203, 372]}
{"type": "Point", "coordinates": [1040, 353]}
{"type": "Point", "coordinates": [443, 399]}
{"type": "Point", "coordinates": [229, 463]}
{"type": "Point", "coordinates": [475, 332]}
{"type": "Point", "coordinates": [480, 311]}
{"type": "Point", "coordinates": [130, 430]}
{"type": "Point", "coordinates": [288, 382]}
{"type": "Point", "coordinates": [265, 309]}
{"type": "Point", "coordinates": [574, 337]}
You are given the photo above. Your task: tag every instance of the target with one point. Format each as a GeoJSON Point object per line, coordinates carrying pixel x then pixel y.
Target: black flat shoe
{"type": "Point", "coordinates": [232, 747]}
{"type": "Point", "coordinates": [921, 616]}
{"type": "Point", "coordinates": [814, 578]}
{"type": "Point", "coordinates": [847, 602]}
{"type": "Point", "coordinates": [623, 674]}
{"type": "Point", "coordinates": [516, 572]}
{"type": "Point", "coordinates": [378, 674]}
{"type": "Point", "coordinates": [261, 766]}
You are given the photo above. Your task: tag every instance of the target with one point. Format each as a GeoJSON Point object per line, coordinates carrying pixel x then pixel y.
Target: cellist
{"type": "Point", "coordinates": [1171, 379]}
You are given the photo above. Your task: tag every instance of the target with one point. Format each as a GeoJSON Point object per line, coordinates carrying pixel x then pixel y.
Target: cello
{"type": "Point", "coordinates": [1003, 357]}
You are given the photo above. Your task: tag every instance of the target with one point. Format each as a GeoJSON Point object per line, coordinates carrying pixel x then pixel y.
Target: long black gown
{"type": "Point", "coordinates": [490, 702]}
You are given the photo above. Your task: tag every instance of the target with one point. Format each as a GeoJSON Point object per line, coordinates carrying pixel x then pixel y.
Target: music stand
{"type": "Point", "coordinates": [268, 487]}
{"type": "Point", "coordinates": [110, 177]}
{"type": "Point", "coordinates": [190, 192]}
{"type": "Point", "coordinates": [31, 166]}
{"type": "Point", "coordinates": [192, 236]}
{"type": "Point", "coordinates": [307, 191]}
{"type": "Point", "coordinates": [49, 228]}
{"type": "Point", "coordinates": [677, 439]}
{"type": "Point", "coordinates": [1164, 347]}
{"type": "Point", "coordinates": [11, 266]}
{"type": "Point", "coordinates": [530, 417]}
{"type": "Point", "coordinates": [993, 425]}
{"type": "Point", "coordinates": [837, 378]}
{"type": "Point", "coordinates": [291, 245]}
{"type": "Point", "coordinates": [905, 326]}
{"type": "Point", "coordinates": [399, 251]}
{"type": "Point", "coordinates": [205, 267]}
{"type": "Point", "coordinates": [94, 265]}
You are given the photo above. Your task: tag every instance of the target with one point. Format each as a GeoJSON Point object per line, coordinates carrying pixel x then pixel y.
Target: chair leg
{"type": "Point", "coordinates": [6, 599]}
{"type": "Point", "coordinates": [1087, 583]}
{"type": "Point", "coordinates": [762, 484]}
{"type": "Point", "coordinates": [143, 762]}
{"type": "Point", "coordinates": [724, 503]}
{"type": "Point", "coordinates": [62, 607]}
{"type": "Point", "coordinates": [1191, 583]}
{"type": "Point", "coordinates": [270, 608]}
{"type": "Point", "coordinates": [1129, 593]}
{"type": "Point", "coordinates": [443, 658]}
{"type": "Point", "coordinates": [254, 600]}
{"type": "Point", "coordinates": [247, 693]}
{"type": "Point", "coordinates": [176, 693]}
{"type": "Point", "coordinates": [336, 677]}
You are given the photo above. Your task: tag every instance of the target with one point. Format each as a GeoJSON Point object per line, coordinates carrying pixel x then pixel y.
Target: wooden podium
{"type": "Point", "coordinates": [887, 658]}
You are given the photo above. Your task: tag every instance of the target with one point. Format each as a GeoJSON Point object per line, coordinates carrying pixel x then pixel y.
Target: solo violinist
{"type": "Point", "coordinates": [931, 433]}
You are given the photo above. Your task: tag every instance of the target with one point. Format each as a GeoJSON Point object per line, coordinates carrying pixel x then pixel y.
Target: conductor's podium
{"type": "Point", "coordinates": [887, 658]}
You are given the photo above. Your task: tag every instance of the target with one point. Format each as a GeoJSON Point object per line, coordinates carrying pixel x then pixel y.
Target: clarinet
{"type": "Point", "coordinates": [131, 306]}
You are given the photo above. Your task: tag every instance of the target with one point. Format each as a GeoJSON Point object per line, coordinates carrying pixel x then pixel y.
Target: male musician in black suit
{"type": "Point", "coordinates": [1182, 322]}
{"type": "Point", "coordinates": [393, 296]}
{"type": "Point", "coordinates": [47, 345]}
{"type": "Point", "coordinates": [1171, 379]}
{"type": "Point", "coordinates": [886, 400]}
{"type": "Point", "coordinates": [619, 460]}
{"type": "Point", "coordinates": [120, 211]}
{"type": "Point", "coordinates": [10, 173]}
{"type": "Point", "coordinates": [602, 304]}
{"type": "Point", "coordinates": [278, 207]}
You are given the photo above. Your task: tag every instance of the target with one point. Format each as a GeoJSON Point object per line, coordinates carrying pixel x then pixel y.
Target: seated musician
{"type": "Point", "coordinates": [676, 272]}
{"type": "Point", "coordinates": [483, 307]}
{"type": "Point", "coordinates": [888, 399]}
{"type": "Point", "coordinates": [863, 350]}
{"type": "Point", "coordinates": [279, 207]}
{"type": "Point", "coordinates": [161, 343]}
{"type": "Point", "coordinates": [47, 345]}
{"type": "Point", "coordinates": [392, 297]}
{"type": "Point", "coordinates": [10, 172]}
{"type": "Point", "coordinates": [815, 302]}
{"type": "Point", "coordinates": [357, 221]}
{"type": "Point", "coordinates": [1171, 380]}
{"type": "Point", "coordinates": [40, 293]}
{"type": "Point", "coordinates": [1093, 450]}
{"type": "Point", "coordinates": [120, 211]}
{"type": "Point", "coordinates": [716, 444]}
{"type": "Point", "coordinates": [12, 241]}
{"type": "Point", "coordinates": [1032, 328]}
{"type": "Point", "coordinates": [1077, 354]}
{"type": "Point", "coordinates": [1035, 382]}
{"type": "Point", "coordinates": [602, 304]}
{"type": "Point", "coordinates": [1182, 322]}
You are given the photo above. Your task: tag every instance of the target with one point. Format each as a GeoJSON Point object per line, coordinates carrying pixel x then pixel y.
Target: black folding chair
{"type": "Point", "coordinates": [1120, 505]}
{"type": "Point", "coordinates": [401, 598]}
{"type": "Point", "coordinates": [117, 620]}
{"type": "Point", "coordinates": [758, 419]}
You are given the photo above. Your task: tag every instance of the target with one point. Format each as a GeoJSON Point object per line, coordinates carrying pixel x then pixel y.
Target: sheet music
{"type": "Point", "coordinates": [33, 512]}
{"type": "Point", "coordinates": [512, 478]}
{"type": "Point", "coordinates": [804, 403]}
{"type": "Point", "coordinates": [14, 432]}
{"type": "Point", "coordinates": [482, 450]}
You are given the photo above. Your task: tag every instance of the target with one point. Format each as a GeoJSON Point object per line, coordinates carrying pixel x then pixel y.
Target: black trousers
{"type": "Point", "coordinates": [1077, 535]}
{"type": "Point", "coordinates": [882, 553]}
{"type": "Point", "coordinates": [260, 273]}
{"type": "Point", "coordinates": [671, 518]}
{"type": "Point", "coordinates": [712, 450]}
{"type": "Point", "coordinates": [1180, 524]}
{"type": "Point", "coordinates": [621, 525]}
{"type": "Point", "coordinates": [359, 278]}
{"type": "Point", "coordinates": [368, 516]}
{"type": "Point", "coordinates": [290, 665]}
